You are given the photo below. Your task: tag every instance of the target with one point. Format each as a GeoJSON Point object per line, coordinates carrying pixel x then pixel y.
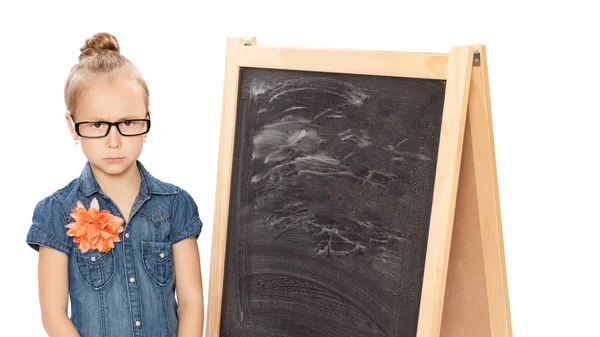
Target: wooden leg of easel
{"type": "Point", "coordinates": [484, 163]}
{"type": "Point", "coordinates": [476, 299]}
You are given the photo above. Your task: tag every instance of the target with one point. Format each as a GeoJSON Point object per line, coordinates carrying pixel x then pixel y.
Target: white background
{"type": "Point", "coordinates": [544, 73]}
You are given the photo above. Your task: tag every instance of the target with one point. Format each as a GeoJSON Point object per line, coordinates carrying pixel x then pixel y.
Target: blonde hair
{"type": "Point", "coordinates": [100, 59]}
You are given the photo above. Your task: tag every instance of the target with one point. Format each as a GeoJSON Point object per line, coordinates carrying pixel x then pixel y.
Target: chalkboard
{"type": "Point", "coordinates": [330, 201]}
{"type": "Point", "coordinates": [339, 210]}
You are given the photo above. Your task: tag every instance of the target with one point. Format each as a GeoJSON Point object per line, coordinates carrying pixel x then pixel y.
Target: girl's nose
{"type": "Point", "coordinates": [113, 139]}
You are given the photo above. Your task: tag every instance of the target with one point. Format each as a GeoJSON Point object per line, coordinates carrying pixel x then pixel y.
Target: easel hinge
{"type": "Point", "coordinates": [247, 42]}
{"type": "Point", "coordinates": [476, 58]}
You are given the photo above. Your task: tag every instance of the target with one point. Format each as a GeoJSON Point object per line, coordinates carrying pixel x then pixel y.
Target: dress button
{"type": "Point", "coordinates": [162, 255]}
{"type": "Point", "coordinates": [127, 235]}
{"type": "Point", "coordinates": [131, 279]}
{"type": "Point", "coordinates": [93, 259]}
{"type": "Point", "coordinates": [138, 323]}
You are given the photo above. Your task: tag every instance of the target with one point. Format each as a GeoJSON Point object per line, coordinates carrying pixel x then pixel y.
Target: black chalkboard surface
{"type": "Point", "coordinates": [339, 210]}
{"type": "Point", "coordinates": [331, 192]}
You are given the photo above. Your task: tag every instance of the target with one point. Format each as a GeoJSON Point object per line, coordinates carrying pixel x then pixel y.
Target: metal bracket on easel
{"type": "Point", "coordinates": [476, 58]}
{"type": "Point", "coordinates": [247, 42]}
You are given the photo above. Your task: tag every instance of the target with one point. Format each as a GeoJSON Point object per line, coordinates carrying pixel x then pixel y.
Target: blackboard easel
{"type": "Point", "coordinates": [464, 289]}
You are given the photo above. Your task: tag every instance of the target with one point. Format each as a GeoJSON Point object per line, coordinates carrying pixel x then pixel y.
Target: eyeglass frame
{"type": "Point", "coordinates": [110, 125]}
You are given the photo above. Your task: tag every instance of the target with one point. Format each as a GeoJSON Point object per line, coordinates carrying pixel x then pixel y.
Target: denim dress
{"type": "Point", "coordinates": [129, 290]}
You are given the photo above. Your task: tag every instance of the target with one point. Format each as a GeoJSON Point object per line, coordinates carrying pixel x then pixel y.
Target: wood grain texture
{"type": "Point", "coordinates": [476, 301]}
{"type": "Point", "coordinates": [488, 200]}
{"type": "Point", "coordinates": [446, 186]}
{"type": "Point", "coordinates": [217, 261]}
{"type": "Point", "coordinates": [416, 65]}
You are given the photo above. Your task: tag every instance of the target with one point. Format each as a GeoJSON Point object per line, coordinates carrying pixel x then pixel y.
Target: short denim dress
{"type": "Point", "coordinates": [129, 290]}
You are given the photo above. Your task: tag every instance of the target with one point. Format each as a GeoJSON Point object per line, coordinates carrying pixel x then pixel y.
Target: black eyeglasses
{"type": "Point", "coordinates": [97, 129]}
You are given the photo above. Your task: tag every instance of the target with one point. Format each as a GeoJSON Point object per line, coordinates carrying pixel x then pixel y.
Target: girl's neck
{"type": "Point", "coordinates": [116, 185]}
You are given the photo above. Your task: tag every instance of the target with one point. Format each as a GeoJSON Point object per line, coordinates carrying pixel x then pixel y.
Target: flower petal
{"type": "Point", "coordinates": [104, 246]}
{"type": "Point", "coordinates": [105, 235]}
{"type": "Point", "coordinates": [75, 216]}
{"type": "Point", "coordinates": [84, 246]}
{"type": "Point", "coordinates": [116, 223]}
{"type": "Point", "coordinates": [94, 213]}
{"type": "Point", "coordinates": [95, 204]}
{"type": "Point", "coordinates": [77, 230]}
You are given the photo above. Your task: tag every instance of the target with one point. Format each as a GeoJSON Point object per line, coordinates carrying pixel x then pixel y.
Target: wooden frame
{"type": "Point", "coordinates": [445, 289]}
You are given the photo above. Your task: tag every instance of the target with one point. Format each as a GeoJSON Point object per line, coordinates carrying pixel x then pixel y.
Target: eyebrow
{"type": "Point", "coordinates": [132, 117]}
{"type": "Point", "coordinates": [120, 119]}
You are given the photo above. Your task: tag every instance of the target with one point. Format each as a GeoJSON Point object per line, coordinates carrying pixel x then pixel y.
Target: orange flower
{"type": "Point", "coordinates": [94, 229]}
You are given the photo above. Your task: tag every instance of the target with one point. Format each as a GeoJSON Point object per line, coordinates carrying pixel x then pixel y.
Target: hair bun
{"type": "Point", "coordinates": [99, 44]}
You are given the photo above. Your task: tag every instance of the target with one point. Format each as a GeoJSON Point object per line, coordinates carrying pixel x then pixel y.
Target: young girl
{"type": "Point", "coordinates": [117, 240]}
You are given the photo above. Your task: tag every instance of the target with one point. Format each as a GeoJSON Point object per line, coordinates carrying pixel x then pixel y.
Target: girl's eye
{"type": "Point", "coordinates": [127, 123]}
{"type": "Point", "coordinates": [97, 125]}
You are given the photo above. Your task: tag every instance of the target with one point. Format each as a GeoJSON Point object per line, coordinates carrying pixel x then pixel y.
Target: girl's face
{"type": "Point", "coordinates": [114, 101]}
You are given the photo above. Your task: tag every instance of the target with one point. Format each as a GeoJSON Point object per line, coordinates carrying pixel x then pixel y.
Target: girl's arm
{"type": "Point", "coordinates": [188, 285]}
{"type": "Point", "coordinates": [53, 282]}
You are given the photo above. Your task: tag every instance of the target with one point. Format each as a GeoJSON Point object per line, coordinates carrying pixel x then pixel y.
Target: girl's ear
{"type": "Point", "coordinates": [70, 125]}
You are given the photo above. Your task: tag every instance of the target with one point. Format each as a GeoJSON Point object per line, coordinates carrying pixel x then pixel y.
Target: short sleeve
{"type": "Point", "coordinates": [48, 227]}
{"type": "Point", "coordinates": [185, 221]}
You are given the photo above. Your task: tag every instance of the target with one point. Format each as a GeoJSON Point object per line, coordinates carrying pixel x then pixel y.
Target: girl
{"type": "Point", "coordinates": [119, 241]}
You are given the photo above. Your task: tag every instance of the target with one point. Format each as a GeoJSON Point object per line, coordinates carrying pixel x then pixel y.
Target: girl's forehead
{"type": "Point", "coordinates": [120, 98]}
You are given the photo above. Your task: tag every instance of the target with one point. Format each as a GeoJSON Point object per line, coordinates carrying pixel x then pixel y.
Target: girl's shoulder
{"type": "Point", "coordinates": [58, 200]}
{"type": "Point", "coordinates": [50, 216]}
{"type": "Point", "coordinates": [157, 186]}
{"type": "Point", "coordinates": [185, 218]}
